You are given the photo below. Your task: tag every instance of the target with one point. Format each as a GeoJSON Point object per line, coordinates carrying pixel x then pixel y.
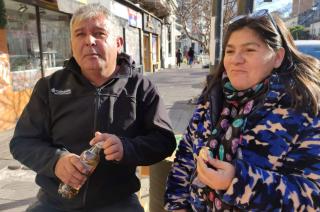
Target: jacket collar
{"type": "Point", "coordinates": [124, 69]}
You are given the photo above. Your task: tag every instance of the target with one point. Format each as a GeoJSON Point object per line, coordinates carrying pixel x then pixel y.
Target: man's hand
{"type": "Point", "coordinates": [219, 178]}
{"type": "Point", "coordinates": [70, 170]}
{"type": "Point", "coordinates": [112, 145]}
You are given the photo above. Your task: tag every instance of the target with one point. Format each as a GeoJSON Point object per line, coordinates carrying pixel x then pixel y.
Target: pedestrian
{"type": "Point", "coordinates": [178, 57]}
{"type": "Point", "coordinates": [253, 142]}
{"type": "Point", "coordinates": [190, 56]}
{"type": "Point", "coordinates": [98, 97]}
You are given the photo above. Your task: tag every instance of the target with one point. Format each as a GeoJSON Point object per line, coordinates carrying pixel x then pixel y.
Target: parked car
{"type": "Point", "coordinates": [310, 47]}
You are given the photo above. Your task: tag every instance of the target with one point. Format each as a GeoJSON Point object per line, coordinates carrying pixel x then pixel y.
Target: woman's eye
{"type": "Point", "coordinates": [250, 50]}
{"type": "Point", "coordinates": [229, 51]}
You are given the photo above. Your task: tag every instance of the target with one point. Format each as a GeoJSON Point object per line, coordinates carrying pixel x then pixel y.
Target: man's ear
{"type": "Point", "coordinates": [119, 41]}
{"type": "Point", "coordinates": [279, 57]}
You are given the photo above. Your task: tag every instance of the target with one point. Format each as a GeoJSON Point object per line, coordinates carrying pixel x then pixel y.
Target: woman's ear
{"type": "Point", "coordinates": [279, 57]}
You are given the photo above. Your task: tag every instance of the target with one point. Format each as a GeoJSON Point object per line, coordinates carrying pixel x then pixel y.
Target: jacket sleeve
{"type": "Point", "coordinates": [31, 142]}
{"type": "Point", "coordinates": [178, 182]}
{"type": "Point", "coordinates": [296, 187]}
{"type": "Point", "coordinates": [157, 141]}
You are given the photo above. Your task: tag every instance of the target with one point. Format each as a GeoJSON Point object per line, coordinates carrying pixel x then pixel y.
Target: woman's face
{"type": "Point", "coordinates": [248, 60]}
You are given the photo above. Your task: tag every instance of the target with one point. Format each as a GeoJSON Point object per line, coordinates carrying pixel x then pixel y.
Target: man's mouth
{"type": "Point", "coordinates": [91, 54]}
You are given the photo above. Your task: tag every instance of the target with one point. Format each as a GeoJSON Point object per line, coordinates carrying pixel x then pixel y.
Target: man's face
{"type": "Point", "coordinates": [94, 48]}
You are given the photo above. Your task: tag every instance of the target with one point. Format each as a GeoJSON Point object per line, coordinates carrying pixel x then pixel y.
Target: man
{"type": "Point", "coordinates": [97, 97]}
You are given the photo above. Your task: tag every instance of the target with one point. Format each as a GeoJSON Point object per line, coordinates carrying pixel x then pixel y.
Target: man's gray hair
{"type": "Point", "coordinates": [91, 11]}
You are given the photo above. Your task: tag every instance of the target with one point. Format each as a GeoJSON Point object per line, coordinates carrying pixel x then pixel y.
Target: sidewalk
{"type": "Point", "coordinates": [177, 87]}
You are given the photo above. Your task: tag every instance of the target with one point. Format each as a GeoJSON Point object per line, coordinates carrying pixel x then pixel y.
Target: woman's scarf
{"type": "Point", "coordinates": [227, 132]}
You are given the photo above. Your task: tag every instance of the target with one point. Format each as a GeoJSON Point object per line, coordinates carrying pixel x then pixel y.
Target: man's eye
{"type": "Point", "coordinates": [79, 34]}
{"type": "Point", "coordinates": [100, 34]}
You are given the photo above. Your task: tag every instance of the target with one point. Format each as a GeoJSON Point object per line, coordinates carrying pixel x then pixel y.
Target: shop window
{"type": "Point", "coordinates": [55, 35]}
{"type": "Point", "coordinates": [23, 44]}
{"type": "Point", "coordinates": [154, 49]}
{"type": "Point", "coordinates": [132, 44]}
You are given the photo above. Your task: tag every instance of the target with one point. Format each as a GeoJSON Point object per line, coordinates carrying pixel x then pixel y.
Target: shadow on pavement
{"type": "Point", "coordinates": [17, 203]}
{"type": "Point", "coordinates": [180, 113]}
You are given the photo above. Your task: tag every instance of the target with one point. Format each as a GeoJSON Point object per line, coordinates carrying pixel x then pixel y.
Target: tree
{"type": "Point", "coordinates": [296, 31]}
{"type": "Point", "coordinates": [195, 18]}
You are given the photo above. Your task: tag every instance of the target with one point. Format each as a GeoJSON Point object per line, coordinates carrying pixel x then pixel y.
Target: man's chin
{"type": "Point", "coordinates": [91, 68]}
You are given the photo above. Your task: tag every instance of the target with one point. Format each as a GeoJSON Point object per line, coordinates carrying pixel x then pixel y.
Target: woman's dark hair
{"type": "Point", "coordinates": [301, 72]}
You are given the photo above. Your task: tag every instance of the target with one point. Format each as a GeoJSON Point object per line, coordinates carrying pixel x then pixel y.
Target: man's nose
{"type": "Point", "coordinates": [90, 40]}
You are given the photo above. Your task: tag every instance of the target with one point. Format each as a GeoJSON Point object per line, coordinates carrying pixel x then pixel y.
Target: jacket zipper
{"type": "Point", "coordinates": [97, 101]}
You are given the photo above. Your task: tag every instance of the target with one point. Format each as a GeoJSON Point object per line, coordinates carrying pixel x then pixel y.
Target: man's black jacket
{"type": "Point", "coordinates": [63, 114]}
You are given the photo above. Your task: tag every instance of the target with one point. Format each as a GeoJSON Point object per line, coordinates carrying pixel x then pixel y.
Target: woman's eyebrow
{"type": "Point", "coordinates": [244, 44]}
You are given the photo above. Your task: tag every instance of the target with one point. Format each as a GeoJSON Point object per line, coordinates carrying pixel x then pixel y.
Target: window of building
{"type": "Point", "coordinates": [55, 35]}
{"type": "Point", "coordinates": [132, 44]}
{"type": "Point", "coordinates": [25, 54]}
{"type": "Point", "coordinates": [154, 49]}
{"type": "Point", "coordinates": [23, 44]}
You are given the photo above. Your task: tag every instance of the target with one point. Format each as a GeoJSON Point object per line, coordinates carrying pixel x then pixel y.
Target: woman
{"type": "Point", "coordinates": [258, 125]}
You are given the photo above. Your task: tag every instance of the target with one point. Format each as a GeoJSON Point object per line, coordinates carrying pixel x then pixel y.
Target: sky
{"type": "Point", "coordinates": [271, 6]}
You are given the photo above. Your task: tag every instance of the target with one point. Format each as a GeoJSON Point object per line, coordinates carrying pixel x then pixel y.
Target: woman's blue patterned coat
{"type": "Point", "coordinates": [278, 165]}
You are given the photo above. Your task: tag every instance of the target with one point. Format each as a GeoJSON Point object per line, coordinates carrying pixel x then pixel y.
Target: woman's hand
{"type": "Point", "coordinates": [219, 178]}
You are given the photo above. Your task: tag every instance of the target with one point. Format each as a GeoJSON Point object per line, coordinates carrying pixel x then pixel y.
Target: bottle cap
{"type": "Point", "coordinates": [99, 144]}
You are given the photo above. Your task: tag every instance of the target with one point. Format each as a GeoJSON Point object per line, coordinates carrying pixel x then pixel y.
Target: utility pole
{"type": "Point", "coordinates": [216, 33]}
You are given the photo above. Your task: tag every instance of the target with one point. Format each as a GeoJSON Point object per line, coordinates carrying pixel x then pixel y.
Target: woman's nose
{"type": "Point", "coordinates": [237, 57]}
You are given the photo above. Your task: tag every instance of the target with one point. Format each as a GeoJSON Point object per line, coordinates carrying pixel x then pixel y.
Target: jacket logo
{"type": "Point", "coordinates": [61, 92]}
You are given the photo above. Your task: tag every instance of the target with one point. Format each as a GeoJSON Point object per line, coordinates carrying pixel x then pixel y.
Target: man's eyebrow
{"type": "Point", "coordinates": [78, 29]}
{"type": "Point", "coordinates": [100, 28]}
{"type": "Point", "coordinates": [96, 28]}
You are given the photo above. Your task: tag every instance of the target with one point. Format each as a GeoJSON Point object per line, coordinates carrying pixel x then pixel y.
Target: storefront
{"type": "Point", "coordinates": [37, 41]}
{"type": "Point", "coordinates": [151, 41]}
{"type": "Point", "coordinates": [34, 43]}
